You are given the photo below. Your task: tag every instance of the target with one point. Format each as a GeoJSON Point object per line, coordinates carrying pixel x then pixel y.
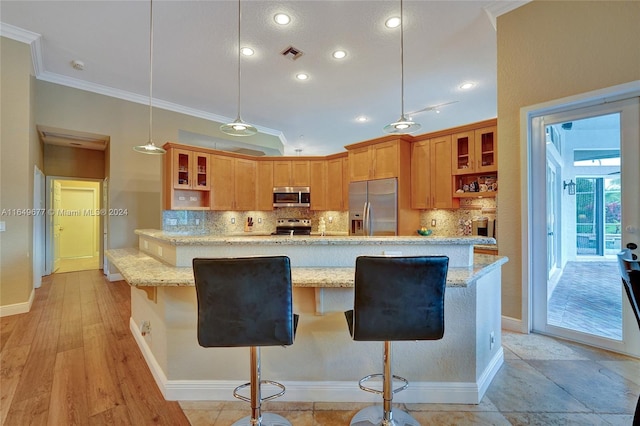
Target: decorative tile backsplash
{"type": "Point", "coordinates": [448, 222]}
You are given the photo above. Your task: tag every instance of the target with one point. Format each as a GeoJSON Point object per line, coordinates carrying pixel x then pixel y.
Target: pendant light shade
{"type": "Point", "coordinates": [150, 147]}
{"type": "Point", "coordinates": [238, 127]}
{"type": "Point", "coordinates": [402, 125]}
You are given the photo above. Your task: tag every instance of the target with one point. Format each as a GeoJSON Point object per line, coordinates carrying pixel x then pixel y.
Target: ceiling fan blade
{"type": "Point", "coordinates": [431, 108]}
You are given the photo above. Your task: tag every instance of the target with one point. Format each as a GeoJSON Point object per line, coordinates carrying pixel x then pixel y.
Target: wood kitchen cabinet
{"type": "Point", "coordinates": [431, 185]}
{"type": "Point", "coordinates": [233, 182]}
{"type": "Point", "coordinates": [187, 176]}
{"type": "Point", "coordinates": [475, 151]}
{"type": "Point", "coordinates": [291, 173]}
{"type": "Point", "coordinates": [337, 183]}
{"type": "Point", "coordinates": [264, 185]}
{"type": "Point", "coordinates": [318, 184]}
{"type": "Point", "coordinates": [375, 161]}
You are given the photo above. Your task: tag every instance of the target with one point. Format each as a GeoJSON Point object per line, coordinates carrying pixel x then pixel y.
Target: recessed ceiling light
{"type": "Point", "coordinates": [392, 22]}
{"type": "Point", "coordinates": [339, 54]}
{"type": "Point", "coordinates": [302, 76]}
{"type": "Point", "coordinates": [282, 18]}
{"type": "Point", "coordinates": [247, 51]}
{"type": "Point", "coordinates": [362, 119]}
{"type": "Point", "coordinates": [466, 86]}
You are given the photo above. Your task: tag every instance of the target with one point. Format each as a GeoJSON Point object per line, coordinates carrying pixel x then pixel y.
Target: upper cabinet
{"type": "Point", "coordinates": [318, 184]}
{"type": "Point", "coordinates": [233, 183]}
{"type": "Point", "coordinates": [291, 173]}
{"type": "Point", "coordinates": [264, 185]}
{"type": "Point", "coordinates": [186, 179]}
{"type": "Point", "coordinates": [337, 183]}
{"type": "Point", "coordinates": [475, 151]}
{"type": "Point", "coordinates": [431, 185]}
{"type": "Point", "coordinates": [375, 161]}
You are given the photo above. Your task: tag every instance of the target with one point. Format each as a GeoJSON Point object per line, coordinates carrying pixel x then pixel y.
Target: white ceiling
{"type": "Point", "coordinates": [195, 63]}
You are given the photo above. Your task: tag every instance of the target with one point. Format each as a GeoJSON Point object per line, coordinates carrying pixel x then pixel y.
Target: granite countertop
{"type": "Point", "coordinates": [179, 239]}
{"type": "Point", "coordinates": [142, 270]}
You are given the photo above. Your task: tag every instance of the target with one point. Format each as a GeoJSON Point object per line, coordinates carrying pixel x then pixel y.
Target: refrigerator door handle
{"type": "Point", "coordinates": [364, 218]}
{"type": "Point", "coordinates": [368, 220]}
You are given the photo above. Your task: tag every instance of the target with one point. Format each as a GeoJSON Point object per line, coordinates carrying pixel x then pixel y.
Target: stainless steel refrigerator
{"type": "Point", "coordinates": [373, 207]}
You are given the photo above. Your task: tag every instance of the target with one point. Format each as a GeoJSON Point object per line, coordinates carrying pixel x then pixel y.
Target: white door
{"type": "Point", "coordinates": [595, 142]}
{"type": "Point", "coordinates": [77, 225]}
{"type": "Point", "coordinates": [39, 218]}
{"type": "Point", "coordinates": [105, 226]}
{"type": "Point", "coordinates": [57, 194]}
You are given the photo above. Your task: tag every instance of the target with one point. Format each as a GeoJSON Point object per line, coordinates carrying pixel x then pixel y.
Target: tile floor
{"type": "Point", "coordinates": [544, 381]}
{"type": "Point", "coordinates": [588, 298]}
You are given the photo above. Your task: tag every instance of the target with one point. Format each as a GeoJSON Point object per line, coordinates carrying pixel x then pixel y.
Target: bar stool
{"type": "Point", "coordinates": [396, 298]}
{"type": "Point", "coordinates": [247, 302]}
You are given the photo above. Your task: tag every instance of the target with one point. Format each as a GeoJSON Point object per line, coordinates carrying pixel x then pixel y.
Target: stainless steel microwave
{"type": "Point", "coordinates": [291, 196]}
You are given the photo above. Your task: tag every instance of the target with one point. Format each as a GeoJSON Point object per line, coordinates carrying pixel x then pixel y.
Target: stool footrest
{"type": "Point", "coordinates": [379, 392]}
{"type": "Point", "coordinates": [268, 382]}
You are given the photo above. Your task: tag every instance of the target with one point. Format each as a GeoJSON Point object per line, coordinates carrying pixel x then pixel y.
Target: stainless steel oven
{"type": "Point", "coordinates": [291, 196]}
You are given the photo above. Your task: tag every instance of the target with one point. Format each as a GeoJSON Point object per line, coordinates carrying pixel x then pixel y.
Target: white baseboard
{"type": "Point", "coordinates": [512, 324]}
{"type": "Point", "coordinates": [115, 277]}
{"type": "Point", "coordinates": [320, 391]}
{"type": "Point", "coordinates": [17, 308]}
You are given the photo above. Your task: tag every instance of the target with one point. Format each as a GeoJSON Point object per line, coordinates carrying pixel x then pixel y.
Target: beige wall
{"type": "Point", "coordinates": [20, 151]}
{"type": "Point", "coordinates": [549, 50]}
{"type": "Point", "coordinates": [73, 162]}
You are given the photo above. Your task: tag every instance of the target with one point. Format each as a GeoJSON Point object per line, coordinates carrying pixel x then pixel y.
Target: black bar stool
{"type": "Point", "coordinates": [396, 298]}
{"type": "Point", "coordinates": [247, 302]}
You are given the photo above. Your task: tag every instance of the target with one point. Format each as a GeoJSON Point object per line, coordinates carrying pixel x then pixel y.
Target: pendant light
{"type": "Point", "coordinates": [403, 125]}
{"type": "Point", "coordinates": [238, 127]}
{"type": "Point", "coordinates": [150, 147]}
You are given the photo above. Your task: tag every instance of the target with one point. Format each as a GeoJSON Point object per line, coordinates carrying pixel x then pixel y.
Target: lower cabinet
{"type": "Point", "coordinates": [431, 185]}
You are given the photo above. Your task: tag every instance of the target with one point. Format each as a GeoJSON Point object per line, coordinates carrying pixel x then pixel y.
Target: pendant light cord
{"type": "Point", "coordinates": [150, 71]}
{"type": "Point", "coordinates": [239, 58]}
{"type": "Point", "coordinates": [401, 60]}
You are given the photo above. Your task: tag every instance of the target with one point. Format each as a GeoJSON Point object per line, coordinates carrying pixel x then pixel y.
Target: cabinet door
{"type": "Point", "coordinates": [318, 184]}
{"type": "Point", "coordinates": [264, 185]}
{"type": "Point", "coordinates": [245, 184]}
{"type": "Point", "coordinates": [300, 175]}
{"type": "Point", "coordinates": [421, 175]}
{"type": "Point", "coordinates": [200, 171]}
{"type": "Point", "coordinates": [222, 182]}
{"type": "Point", "coordinates": [282, 173]}
{"type": "Point", "coordinates": [334, 184]}
{"type": "Point", "coordinates": [345, 183]}
{"type": "Point", "coordinates": [462, 153]}
{"type": "Point", "coordinates": [359, 164]}
{"type": "Point", "coordinates": [182, 169]}
{"type": "Point", "coordinates": [385, 160]}
{"type": "Point", "coordinates": [441, 182]}
{"type": "Point", "coordinates": [486, 154]}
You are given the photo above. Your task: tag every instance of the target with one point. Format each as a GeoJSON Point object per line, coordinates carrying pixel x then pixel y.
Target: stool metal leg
{"type": "Point", "coordinates": [385, 415]}
{"type": "Point", "coordinates": [258, 418]}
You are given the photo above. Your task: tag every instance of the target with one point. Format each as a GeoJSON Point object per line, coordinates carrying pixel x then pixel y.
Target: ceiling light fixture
{"type": "Point", "coordinates": [403, 124]}
{"type": "Point", "coordinates": [238, 127]}
{"type": "Point", "coordinates": [362, 119]}
{"type": "Point", "coordinates": [339, 54]}
{"type": "Point", "coordinates": [302, 76]}
{"type": "Point", "coordinates": [467, 85]}
{"type": "Point", "coordinates": [150, 147]}
{"type": "Point", "coordinates": [247, 51]}
{"type": "Point", "coordinates": [281, 18]}
{"type": "Point", "coordinates": [393, 22]}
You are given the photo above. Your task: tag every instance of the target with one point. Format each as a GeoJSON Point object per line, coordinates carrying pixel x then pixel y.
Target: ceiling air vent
{"type": "Point", "coordinates": [292, 53]}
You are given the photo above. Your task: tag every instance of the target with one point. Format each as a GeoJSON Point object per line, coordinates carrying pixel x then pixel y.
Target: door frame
{"type": "Point", "coordinates": [533, 184]}
{"type": "Point", "coordinates": [39, 224]}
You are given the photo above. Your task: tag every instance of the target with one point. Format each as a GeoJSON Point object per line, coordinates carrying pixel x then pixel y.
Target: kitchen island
{"type": "Point", "coordinates": [323, 364]}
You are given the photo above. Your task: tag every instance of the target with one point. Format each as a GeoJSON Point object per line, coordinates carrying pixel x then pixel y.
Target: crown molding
{"type": "Point", "coordinates": [501, 7]}
{"type": "Point", "coordinates": [34, 40]}
{"type": "Point", "coordinates": [24, 36]}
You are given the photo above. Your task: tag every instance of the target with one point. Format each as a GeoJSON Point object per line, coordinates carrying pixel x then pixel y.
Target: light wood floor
{"type": "Point", "coordinates": [72, 359]}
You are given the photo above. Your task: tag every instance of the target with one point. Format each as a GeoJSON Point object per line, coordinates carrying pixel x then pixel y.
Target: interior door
{"type": "Point", "coordinates": [596, 142]}
{"type": "Point", "coordinates": [77, 228]}
{"type": "Point", "coordinates": [56, 205]}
